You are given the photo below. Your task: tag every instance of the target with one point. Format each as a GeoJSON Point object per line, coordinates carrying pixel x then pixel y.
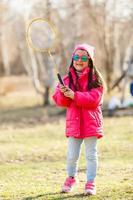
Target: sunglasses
{"type": "Point", "coordinates": [83, 58]}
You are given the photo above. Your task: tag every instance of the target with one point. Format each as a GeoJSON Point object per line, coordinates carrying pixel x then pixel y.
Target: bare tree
{"type": "Point", "coordinates": [4, 44]}
{"type": "Point", "coordinates": [102, 25]}
{"type": "Point", "coordinates": [77, 21]}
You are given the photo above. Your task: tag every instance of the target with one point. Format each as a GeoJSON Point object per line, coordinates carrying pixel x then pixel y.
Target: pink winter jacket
{"type": "Point", "coordinates": [84, 115]}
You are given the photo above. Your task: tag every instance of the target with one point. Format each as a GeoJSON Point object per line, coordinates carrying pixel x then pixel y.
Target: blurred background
{"type": "Point", "coordinates": [105, 24]}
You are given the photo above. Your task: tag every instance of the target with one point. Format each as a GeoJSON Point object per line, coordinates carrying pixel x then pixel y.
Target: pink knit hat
{"type": "Point", "coordinates": [90, 49]}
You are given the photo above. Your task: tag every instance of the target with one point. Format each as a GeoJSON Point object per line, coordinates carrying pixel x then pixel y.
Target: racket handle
{"type": "Point", "coordinates": [60, 79]}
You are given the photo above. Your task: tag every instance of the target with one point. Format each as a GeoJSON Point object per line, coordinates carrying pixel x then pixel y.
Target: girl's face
{"type": "Point", "coordinates": [80, 60]}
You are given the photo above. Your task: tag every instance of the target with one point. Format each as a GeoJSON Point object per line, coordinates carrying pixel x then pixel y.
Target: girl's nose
{"type": "Point", "coordinates": [79, 60]}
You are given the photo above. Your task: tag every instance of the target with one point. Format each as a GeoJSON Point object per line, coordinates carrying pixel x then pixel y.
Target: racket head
{"type": "Point", "coordinates": [41, 35]}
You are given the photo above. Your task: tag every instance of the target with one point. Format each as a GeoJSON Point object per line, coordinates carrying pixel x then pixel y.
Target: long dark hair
{"type": "Point", "coordinates": [95, 78]}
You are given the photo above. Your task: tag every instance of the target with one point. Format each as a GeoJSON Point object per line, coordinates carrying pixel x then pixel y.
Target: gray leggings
{"type": "Point", "coordinates": [73, 153]}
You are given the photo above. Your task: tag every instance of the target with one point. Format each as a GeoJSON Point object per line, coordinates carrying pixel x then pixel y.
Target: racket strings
{"type": "Point", "coordinates": [41, 35]}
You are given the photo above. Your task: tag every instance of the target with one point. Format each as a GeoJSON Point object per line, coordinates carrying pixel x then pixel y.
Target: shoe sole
{"type": "Point", "coordinates": [89, 193]}
{"type": "Point", "coordinates": [64, 191]}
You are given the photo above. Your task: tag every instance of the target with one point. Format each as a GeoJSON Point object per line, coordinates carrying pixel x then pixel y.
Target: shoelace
{"type": "Point", "coordinates": [89, 186]}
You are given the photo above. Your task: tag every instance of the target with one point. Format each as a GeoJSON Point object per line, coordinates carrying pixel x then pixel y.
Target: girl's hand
{"type": "Point", "coordinates": [67, 91]}
{"type": "Point", "coordinates": [63, 88]}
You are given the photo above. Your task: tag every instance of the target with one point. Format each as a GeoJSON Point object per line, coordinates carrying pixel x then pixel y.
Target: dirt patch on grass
{"type": "Point", "coordinates": [30, 116]}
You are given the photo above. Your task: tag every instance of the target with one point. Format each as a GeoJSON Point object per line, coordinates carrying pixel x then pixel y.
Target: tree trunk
{"type": "Point", "coordinates": [4, 52]}
{"type": "Point", "coordinates": [46, 101]}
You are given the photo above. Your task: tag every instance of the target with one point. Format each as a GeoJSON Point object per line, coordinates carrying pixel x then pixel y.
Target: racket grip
{"type": "Point", "coordinates": [60, 79]}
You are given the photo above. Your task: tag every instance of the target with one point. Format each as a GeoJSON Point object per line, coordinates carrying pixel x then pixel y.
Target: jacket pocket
{"type": "Point", "coordinates": [72, 126]}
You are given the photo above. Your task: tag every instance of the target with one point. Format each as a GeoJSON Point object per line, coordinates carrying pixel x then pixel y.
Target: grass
{"type": "Point", "coordinates": [33, 157]}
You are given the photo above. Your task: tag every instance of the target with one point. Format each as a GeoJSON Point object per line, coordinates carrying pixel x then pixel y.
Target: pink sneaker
{"type": "Point", "coordinates": [68, 185]}
{"type": "Point", "coordinates": [90, 188]}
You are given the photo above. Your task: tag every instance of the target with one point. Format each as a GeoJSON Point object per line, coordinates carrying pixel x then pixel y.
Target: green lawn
{"type": "Point", "coordinates": [33, 157]}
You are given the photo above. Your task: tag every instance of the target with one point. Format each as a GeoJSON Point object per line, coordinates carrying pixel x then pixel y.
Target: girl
{"type": "Point", "coordinates": [83, 96]}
